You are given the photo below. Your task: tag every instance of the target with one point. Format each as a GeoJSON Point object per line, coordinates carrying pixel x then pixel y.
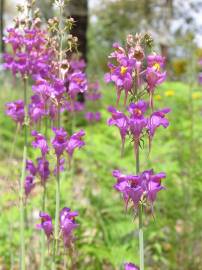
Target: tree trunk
{"type": "Point", "coordinates": [79, 11]}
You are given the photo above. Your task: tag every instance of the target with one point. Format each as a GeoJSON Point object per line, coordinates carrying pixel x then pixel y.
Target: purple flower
{"type": "Point", "coordinates": [75, 106]}
{"type": "Point", "coordinates": [154, 78]}
{"type": "Point", "coordinates": [200, 78]}
{"type": "Point", "coordinates": [119, 52]}
{"type": "Point", "coordinates": [29, 184]}
{"type": "Point", "coordinates": [156, 61]}
{"type": "Point", "coordinates": [97, 116]}
{"type": "Point", "coordinates": [67, 225]}
{"type": "Point", "coordinates": [75, 141]}
{"type": "Point", "coordinates": [154, 74]}
{"type": "Point", "coordinates": [137, 121]}
{"type": "Point", "coordinates": [119, 120]}
{"type": "Point", "coordinates": [77, 84]}
{"type": "Point", "coordinates": [59, 89]}
{"type": "Point", "coordinates": [30, 54]}
{"type": "Point", "coordinates": [43, 169]}
{"type": "Point", "coordinates": [46, 224]}
{"type": "Point", "coordinates": [36, 108]}
{"type": "Point", "coordinates": [31, 167]}
{"type": "Point", "coordinates": [93, 116]}
{"type": "Point", "coordinates": [61, 166]}
{"type": "Point", "coordinates": [122, 76]}
{"type": "Point", "coordinates": [130, 266]}
{"type": "Point", "coordinates": [136, 187]}
{"type": "Point", "coordinates": [92, 93]}
{"type": "Point", "coordinates": [43, 88]}
{"type": "Point", "coordinates": [16, 111]}
{"type": "Point", "coordinates": [77, 64]}
{"type": "Point", "coordinates": [156, 120]}
{"type": "Point", "coordinates": [40, 142]}
{"type": "Point", "coordinates": [60, 141]}
{"type": "Point", "coordinates": [89, 116]}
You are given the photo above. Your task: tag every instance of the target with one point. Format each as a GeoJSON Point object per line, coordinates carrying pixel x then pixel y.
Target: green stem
{"type": "Point", "coordinates": [22, 206]}
{"type": "Point", "coordinates": [57, 195]}
{"type": "Point", "coordinates": [141, 237]}
{"type": "Point", "coordinates": [57, 204]}
{"type": "Point", "coordinates": [43, 254]}
{"type": "Point", "coordinates": [140, 215]}
{"type": "Point", "coordinates": [42, 264]}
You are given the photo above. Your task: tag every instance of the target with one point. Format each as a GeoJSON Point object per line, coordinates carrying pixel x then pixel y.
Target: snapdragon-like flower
{"type": "Point", "coordinates": [119, 120]}
{"type": "Point", "coordinates": [129, 72]}
{"type": "Point", "coordinates": [74, 106]}
{"type": "Point", "coordinates": [93, 92]}
{"type": "Point", "coordinates": [77, 64]}
{"type": "Point", "coordinates": [31, 167]}
{"type": "Point", "coordinates": [36, 109]}
{"type": "Point", "coordinates": [122, 76]}
{"type": "Point", "coordinates": [46, 224]}
{"type": "Point", "coordinates": [130, 266]}
{"type": "Point", "coordinates": [154, 73]}
{"type": "Point", "coordinates": [136, 188]}
{"type": "Point", "coordinates": [67, 225]}
{"type": "Point", "coordinates": [93, 116]}
{"type": "Point", "coordinates": [40, 143]}
{"type": "Point", "coordinates": [43, 169]}
{"type": "Point", "coordinates": [77, 83]}
{"type": "Point", "coordinates": [16, 111]}
{"type": "Point", "coordinates": [30, 54]}
{"type": "Point", "coordinates": [42, 88]}
{"type": "Point", "coordinates": [137, 121]}
{"type": "Point", "coordinates": [156, 120]}
{"type": "Point", "coordinates": [60, 141]}
{"type": "Point", "coordinates": [75, 141]}
{"type": "Point", "coordinates": [29, 184]}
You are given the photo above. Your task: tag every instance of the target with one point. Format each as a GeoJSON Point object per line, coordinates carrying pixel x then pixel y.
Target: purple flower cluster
{"type": "Point", "coordinates": [42, 168]}
{"type": "Point", "coordinates": [129, 64]}
{"type": "Point", "coordinates": [133, 71]}
{"type": "Point", "coordinates": [61, 142]}
{"type": "Point", "coordinates": [93, 116]}
{"type": "Point", "coordinates": [92, 96]}
{"type": "Point", "coordinates": [30, 55]}
{"type": "Point", "coordinates": [16, 111]}
{"type": "Point", "coordinates": [136, 124]}
{"type": "Point", "coordinates": [136, 188]}
{"type": "Point", "coordinates": [74, 106]}
{"type": "Point", "coordinates": [93, 92]}
{"type": "Point", "coordinates": [67, 225]}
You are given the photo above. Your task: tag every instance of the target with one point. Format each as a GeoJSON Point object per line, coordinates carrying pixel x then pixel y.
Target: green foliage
{"type": "Point", "coordinates": [107, 235]}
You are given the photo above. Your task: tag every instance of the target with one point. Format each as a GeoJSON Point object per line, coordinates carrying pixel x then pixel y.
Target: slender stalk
{"type": "Point", "coordinates": [57, 204]}
{"type": "Point", "coordinates": [42, 264]}
{"type": "Point", "coordinates": [57, 195]}
{"type": "Point", "coordinates": [141, 237]}
{"type": "Point", "coordinates": [42, 260]}
{"type": "Point", "coordinates": [140, 216]}
{"type": "Point", "coordinates": [22, 206]}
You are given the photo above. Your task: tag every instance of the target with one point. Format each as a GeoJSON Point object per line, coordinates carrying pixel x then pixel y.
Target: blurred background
{"type": "Point", "coordinates": [173, 237]}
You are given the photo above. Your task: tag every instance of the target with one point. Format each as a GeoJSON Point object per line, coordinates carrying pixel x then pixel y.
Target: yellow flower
{"type": "Point", "coordinates": [158, 97]}
{"type": "Point", "coordinates": [196, 95]}
{"type": "Point", "coordinates": [169, 93]}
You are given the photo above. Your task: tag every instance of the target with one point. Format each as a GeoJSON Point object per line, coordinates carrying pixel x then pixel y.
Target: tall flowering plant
{"type": "Point", "coordinates": [39, 55]}
{"type": "Point", "coordinates": [137, 73]}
